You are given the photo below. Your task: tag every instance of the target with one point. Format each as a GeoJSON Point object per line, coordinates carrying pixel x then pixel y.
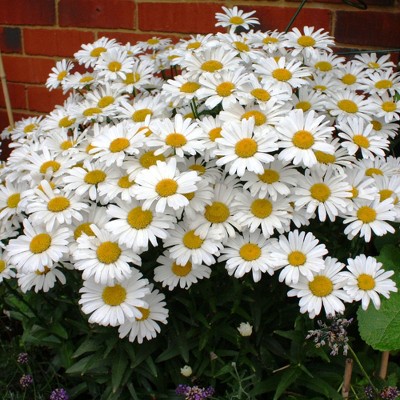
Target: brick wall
{"type": "Point", "coordinates": [34, 34]}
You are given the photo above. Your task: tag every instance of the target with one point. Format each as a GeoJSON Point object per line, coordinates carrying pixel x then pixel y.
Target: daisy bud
{"type": "Point", "coordinates": [245, 329]}
{"type": "Point", "coordinates": [186, 371]}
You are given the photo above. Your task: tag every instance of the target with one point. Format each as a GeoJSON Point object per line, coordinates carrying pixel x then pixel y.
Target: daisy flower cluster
{"type": "Point", "coordinates": [217, 150]}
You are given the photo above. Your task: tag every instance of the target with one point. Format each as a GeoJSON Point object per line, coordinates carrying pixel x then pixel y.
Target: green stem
{"type": "Point", "coordinates": [295, 15]}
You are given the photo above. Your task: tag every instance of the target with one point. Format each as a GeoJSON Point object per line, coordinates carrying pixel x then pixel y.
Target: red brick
{"type": "Point", "coordinates": [97, 13]}
{"type": "Point", "coordinates": [55, 42]}
{"type": "Point", "coordinates": [361, 28]}
{"type": "Point", "coordinates": [16, 92]}
{"type": "Point", "coordinates": [27, 69]}
{"type": "Point", "coordinates": [40, 99]}
{"type": "Point", "coordinates": [279, 17]}
{"type": "Point", "coordinates": [10, 40]}
{"type": "Point", "coordinates": [27, 12]}
{"type": "Point", "coordinates": [349, 7]}
{"type": "Point", "coordinates": [178, 17]}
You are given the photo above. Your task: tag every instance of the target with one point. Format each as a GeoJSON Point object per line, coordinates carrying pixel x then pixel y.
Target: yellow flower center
{"type": "Point", "coordinates": [384, 84]}
{"type": "Point", "coordinates": [297, 258]}
{"type": "Point", "coordinates": [189, 87]}
{"type": "Point", "coordinates": [354, 192]}
{"type": "Point", "coordinates": [270, 39]}
{"type": "Point", "coordinates": [348, 106]}
{"type": "Point", "coordinates": [89, 147]}
{"type": "Point", "coordinates": [366, 214]}
{"type": "Point", "coordinates": [145, 313]}
{"type": "Point", "coordinates": [181, 270]}
{"type": "Point", "coordinates": [124, 182]}
{"type": "Point", "coordinates": [250, 252]}
{"type": "Point", "coordinates": [140, 115]}
{"type": "Point", "coordinates": [153, 41]}
{"type": "Point", "coordinates": [40, 243]}
{"type": "Point", "coordinates": [86, 79]}
{"type": "Point", "coordinates": [175, 140]}
{"type": "Point", "coordinates": [44, 272]}
{"type": "Point", "coordinates": [108, 252]}
{"type": "Point", "coordinates": [193, 45]}
{"type": "Point", "coordinates": [324, 158]}
{"type": "Point", "coordinates": [215, 133]}
{"type": "Point", "coordinates": [246, 148]}
{"type": "Point", "coordinates": [97, 51]}
{"type": "Point", "coordinates": [377, 126]}
{"type": "Point", "coordinates": [386, 194]}
{"type": "Point", "coordinates": [259, 117]}
{"type": "Point", "coordinates": [58, 204]}
{"type": "Point", "coordinates": [29, 128]}
{"type": "Point", "coordinates": [83, 228]}
{"type": "Point", "coordinates": [211, 66]}
{"type": "Point", "coordinates": [2, 266]}
{"type": "Point", "coordinates": [216, 212]}
{"type": "Point", "coordinates": [139, 218]}
{"type": "Point", "coordinates": [148, 159]}
{"type": "Point", "coordinates": [105, 101]}
{"type": "Point", "coordinates": [192, 241]}
{"type": "Point", "coordinates": [303, 105]}
{"type": "Point", "coordinates": [200, 169]}
{"type": "Point", "coordinates": [13, 200]}
{"type": "Point", "coordinates": [236, 20]}
{"type": "Point", "coordinates": [119, 144]}
{"type": "Point", "coordinates": [225, 89]}
{"type": "Point", "coordinates": [373, 171]}
{"type": "Point", "coordinates": [131, 77]}
{"type": "Point", "coordinates": [260, 94]}
{"type": "Point", "coordinates": [114, 66]}
{"type": "Point", "coordinates": [62, 75]}
{"type": "Point", "coordinates": [321, 286]}
{"type": "Point", "coordinates": [320, 192]}
{"type": "Point", "coordinates": [269, 176]}
{"type": "Point", "coordinates": [114, 295]}
{"type": "Point", "coordinates": [349, 79]}
{"type": "Point", "coordinates": [53, 165]}
{"type": "Point", "coordinates": [306, 41]}
{"type": "Point", "coordinates": [89, 112]}
{"type": "Point", "coordinates": [361, 141]}
{"type": "Point", "coordinates": [365, 282]}
{"type": "Point", "coordinates": [241, 46]}
{"type": "Point", "coordinates": [389, 106]}
{"type": "Point", "coordinates": [303, 139]}
{"type": "Point", "coordinates": [65, 122]}
{"type": "Point", "coordinates": [66, 144]}
{"type": "Point", "coordinates": [373, 64]}
{"type": "Point", "coordinates": [94, 177]}
{"type": "Point", "coordinates": [323, 66]}
{"type": "Point", "coordinates": [320, 88]}
{"type": "Point", "coordinates": [281, 74]}
{"type": "Point", "coordinates": [261, 208]}
{"type": "Point", "coordinates": [166, 187]}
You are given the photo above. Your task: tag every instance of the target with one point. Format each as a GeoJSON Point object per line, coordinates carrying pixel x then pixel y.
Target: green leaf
{"type": "Point", "coordinates": [119, 365]}
{"type": "Point", "coordinates": [287, 378]}
{"type": "Point", "coordinates": [88, 346]}
{"type": "Point", "coordinates": [380, 328]}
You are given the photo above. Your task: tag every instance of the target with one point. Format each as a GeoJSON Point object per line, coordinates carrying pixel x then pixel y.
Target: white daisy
{"type": "Point", "coordinates": [90, 53]}
{"type": "Point", "coordinates": [324, 289]}
{"type": "Point", "coordinates": [234, 18]}
{"type": "Point", "coordinates": [41, 280]}
{"type": "Point", "coordinates": [142, 107]}
{"type": "Point", "coordinates": [381, 82]}
{"type": "Point", "coordinates": [181, 90]}
{"type": "Point", "coordinates": [388, 107]}
{"type": "Point", "coordinates": [147, 326]}
{"type": "Point", "coordinates": [6, 269]}
{"type": "Point", "coordinates": [371, 62]}
{"type": "Point", "coordinates": [121, 187]}
{"type": "Point", "coordinates": [114, 64]}
{"type": "Point", "coordinates": [362, 186]}
{"type": "Point", "coordinates": [114, 304]}
{"type": "Point", "coordinates": [58, 74]}
{"type": "Point", "coordinates": [12, 199]}
{"type": "Point", "coordinates": [248, 252]}
{"type": "Point", "coordinates": [171, 274]}
{"type": "Point", "coordinates": [366, 280]}
{"type": "Point", "coordinates": [324, 63]}
{"type": "Point", "coordinates": [299, 254]}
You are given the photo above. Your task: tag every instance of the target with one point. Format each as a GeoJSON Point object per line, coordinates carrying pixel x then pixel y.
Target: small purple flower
{"type": "Point", "coordinates": [194, 392]}
{"type": "Point", "coordinates": [369, 392]}
{"type": "Point", "coordinates": [22, 358]}
{"type": "Point", "coordinates": [390, 393]}
{"type": "Point", "coordinates": [59, 394]}
{"type": "Point", "coordinates": [26, 381]}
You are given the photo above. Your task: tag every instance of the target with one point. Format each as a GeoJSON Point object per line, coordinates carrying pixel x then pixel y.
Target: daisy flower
{"type": "Point", "coordinates": [324, 289]}
{"type": "Point", "coordinates": [147, 326]}
{"type": "Point", "coordinates": [381, 82]}
{"type": "Point", "coordinates": [6, 269]}
{"type": "Point", "coordinates": [165, 185]}
{"type": "Point", "coordinates": [211, 127]}
{"type": "Point", "coordinates": [144, 160]}
{"type": "Point", "coordinates": [327, 193]}
{"type": "Point", "coordinates": [137, 226]}
{"type": "Point", "coordinates": [40, 280]}
{"type": "Point", "coordinates": [307, 99]}
{"type": "Point", "coordinates": [26, 127]}
{"type": "Point", "coordinates": [170, 274]}
{"type": "Point", "coordinates": [105, 98]}
{"type": "Point", "coordinates": [177, 136]}
{"type": "Point", "coordinates": [121, 187]}
{"type": "Point", "coordinates": [90, 53]}
{"type": "Point", "coordinates": [298, 254]}
{"type": "Point", "coordinates": [309, 41]}
{"type": "Point", "coordinates": [248, 252]}
{"type": "Point", "coordinates": [13, 199]}
{"type": "Point", "coordinates": [357, 135]}
{"type": "Point", "coordinates": [243, 147]}
{"type": "Point", "coordinates": [60, 117]}
{"type": "Point", "coordinates": [388, 186]}
{"type": "Point", "coordinates": [181, 90]}
{"type": "Point", "coordinates": [38, 248]}
{"type": "Point", "coordinates": [324, 63]}
{"type": "Point", "coordinates": [102, 258]}
{"type": "Point", "coordinates": [377, 166]}
{"type": "Point", "coordinates": [233, 18]}
{"type": "Point", "coordinates": [139, 76]}
{"type": "Point", "coordinates": [154, 43]}
{"type": "Point", "coordinates": [371, 62]}
{"type": "Point", "coordinates": [369, 217]}
{"type": "Point", "coordinates": [271, 42]}
{"type": "Point", "coordinates": [388, 107]}
{"type": "Point", "coordinates": [278, 178]}
{"type": "Point", "coordinates": [362, 186]}
{"type": "Point", "coordinates": [301, 134]}
{"type": "Point", "coordinates": [112, 305]}
{"type": "Point", "coordinates": [348, 75]}
{"type": "Point", "coordinates": [59, 73]}
{"type": "Point", "coordinates": [79, 81]}
{"type": "Point", "coordinates": [185, 245]}
{"type": "Point", "coordinates": [366, 280]}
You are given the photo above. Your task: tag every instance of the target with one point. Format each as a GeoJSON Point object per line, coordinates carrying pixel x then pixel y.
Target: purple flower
{"type": "Point", "coordinates": [26, 381]}
{"type": "Point", "coordinates": [390, 393]}
{"type": "Point", "coordinates": [194, 392]}
{"type": "Point", "coordinates": [59, 394]}
{"type": "Point", "coordinates": [22, 358]}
